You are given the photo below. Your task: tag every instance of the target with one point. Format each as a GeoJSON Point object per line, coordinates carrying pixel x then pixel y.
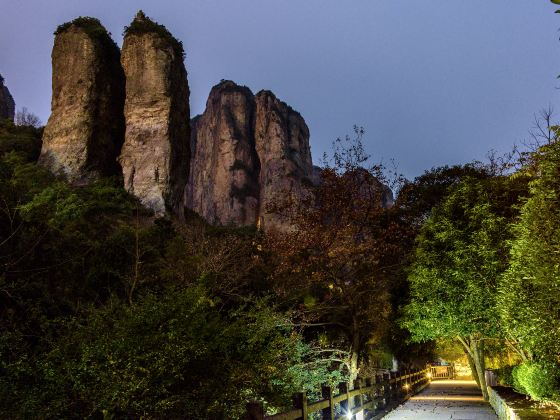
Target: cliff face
{"type": "Point", "coordinates": [250, 153]}
{"type": "Point", "coordinates": [7, 104]}
{"type": "Point", "coordinates": [223, 181]}
{"type": "Point", "coordinates": [282, 144]}
{"type": "Point", "coordinates": [85, 131]}
{"type": "Point", "coordinates": [155, 154]}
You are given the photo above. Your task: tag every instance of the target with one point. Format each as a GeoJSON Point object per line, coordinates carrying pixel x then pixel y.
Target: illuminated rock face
{"type": "Point", "coordinates": [282, 144]}
{"type": "Point", "coordinates": [223, 182]}
{"type": "Point", "coordinates": [155, 155]}
{"type": "Point", "coordinates": [7, 104]}
{"type": "Point", "coordinates": [85, 130]}
{"type": "Point", "coordinates": [249, 153]}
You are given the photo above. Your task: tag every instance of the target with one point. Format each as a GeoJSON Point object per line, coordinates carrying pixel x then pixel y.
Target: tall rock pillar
{"type": "Point", "coordinates": [155, 155]}
{"type": "Point", "coordinates": [282, 144]}
{"type": "Point", "coordinates": [223, 184]}
{"type": "Point", "coordinates": [85, 131]}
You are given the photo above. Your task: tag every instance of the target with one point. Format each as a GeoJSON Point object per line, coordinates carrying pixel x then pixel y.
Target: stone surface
{"type": "Point", "coordinates": [282, 144]}
{"type": "Point", "coordinates": [510, 405]}
{"type": "Point", "coordinates": [369, 189]}
{"type": "Point", "coordinates": [155, 155]}
{"type": "Point", "coordinates": [447, 399]}
{"type": "Point", "coordinates": [223, 181]}
{"type": "Point", "coordinates": [85, 130]}
{"type": "Point", "coordinates": [7, 104]}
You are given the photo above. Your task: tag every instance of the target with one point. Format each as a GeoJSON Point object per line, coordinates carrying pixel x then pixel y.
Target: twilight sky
{"type": "Point", "coordinates": [433, 82]}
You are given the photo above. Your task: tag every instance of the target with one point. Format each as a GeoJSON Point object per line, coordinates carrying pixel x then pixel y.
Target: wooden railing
{"type": "Point", "coordinates": [368, 396]}
{"type": "Point", "coordinates": [442, 372]}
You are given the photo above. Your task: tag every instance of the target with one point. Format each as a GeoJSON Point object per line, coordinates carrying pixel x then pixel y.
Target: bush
{"type": "Point", "coordinates": [539, 380]}
{"type": "Point", "coordinates": [171, 354]}
{"type": "Point", "coordinates": [24, 140]}
{"type": "Point", "coordinates": [505, 375]}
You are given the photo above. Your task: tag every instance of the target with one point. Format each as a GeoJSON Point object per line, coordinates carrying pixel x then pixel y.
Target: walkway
{"type": "Point", "coordinates": [457, 400]}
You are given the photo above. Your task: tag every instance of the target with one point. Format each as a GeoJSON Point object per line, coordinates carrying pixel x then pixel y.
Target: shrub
{"type": "Point", "coordinates": [505, 375]}
{"type": "Point", "coordinates": [539, 380]}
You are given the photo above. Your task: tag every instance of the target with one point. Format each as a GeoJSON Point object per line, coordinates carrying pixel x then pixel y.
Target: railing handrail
{"type": "Point", "coordinates": [379, 390]}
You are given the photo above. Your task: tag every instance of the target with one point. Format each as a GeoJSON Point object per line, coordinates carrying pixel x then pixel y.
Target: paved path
{"type": "Point", "coordinates": [457, 400]}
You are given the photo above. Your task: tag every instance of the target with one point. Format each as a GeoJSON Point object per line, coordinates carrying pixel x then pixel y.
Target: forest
{"type": "Point", "coordinates": [109, 311]}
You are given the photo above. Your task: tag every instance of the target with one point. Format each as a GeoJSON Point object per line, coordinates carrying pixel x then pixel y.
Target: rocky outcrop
{"type": "Point", "coordinates": [7, 104]}
{"type": "Point", "coordinates": [223, 183]}
{"type": "Point", "coordinates": [365, 189]}
{"type": "Point", "coordinates": [85, 131]}
{"type": "Point", "coordinates": [282, 145]}
{"type": "Point", "coordinates": [155, 154]}
{"type": "Point", "coordinates": [251, 156]}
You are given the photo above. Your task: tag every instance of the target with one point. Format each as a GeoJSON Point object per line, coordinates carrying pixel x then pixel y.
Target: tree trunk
{"type": "Point", "coordinates": [354, 350]}
{"type": "Point", "coordinates": [472, 366]}
{"type": "Point", "coordinates": [474, 347]}
{"type": "Point", "coordinates": [477, 347]}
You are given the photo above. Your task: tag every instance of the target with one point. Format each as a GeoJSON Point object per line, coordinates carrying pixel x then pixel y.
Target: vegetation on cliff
{"type": "Point", "coordinates": [94, 29]}
{"type": "Point", "coordinates": [143, 25]}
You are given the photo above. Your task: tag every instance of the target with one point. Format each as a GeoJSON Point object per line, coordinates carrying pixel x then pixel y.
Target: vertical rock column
{"type": "Point", "coordinates": [155, 154]}
{"type": "Point", "coordinates": [223, 184]}
{"type": "Point", "coordinates": [7, 104]}
{"type": "Point", "coordinates": [85, 131]}
{"type": "Point", "coordinates": [282, 144]}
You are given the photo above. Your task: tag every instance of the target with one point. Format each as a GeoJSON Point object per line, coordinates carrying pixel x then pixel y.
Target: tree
{"type": "Point", "coordinates": [27, 119]}
{"type": "Point", "coordinates": [460, 255]}
{"type": "Point", "coordinates": [530, 289]}
{"type": "Point", "coordinates": [334, 266]}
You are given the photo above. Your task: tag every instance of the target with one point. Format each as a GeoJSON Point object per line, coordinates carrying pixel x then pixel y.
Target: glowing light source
{"type": "Point", "coordinates": [406, 386]}
{"type": "Point", "coordinates": [429, 375]}
{"type": "Point", "coordinates": [349, 416]}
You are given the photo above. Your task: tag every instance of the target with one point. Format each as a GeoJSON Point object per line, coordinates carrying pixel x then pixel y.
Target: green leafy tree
{"type": "Point", "coordinates": [172, 354]}
{"type": "Point", "coordinates": [459, 257]}
{"type": "Point", "coordinates": [529, 298]}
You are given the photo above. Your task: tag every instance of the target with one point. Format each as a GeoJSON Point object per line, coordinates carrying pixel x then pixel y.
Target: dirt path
{"type": "Point", "coordinates": [457, 400]}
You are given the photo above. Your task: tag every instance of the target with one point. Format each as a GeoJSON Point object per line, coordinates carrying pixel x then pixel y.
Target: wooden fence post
{"type": "Point", "coordinates": [370, 382]}
{"type": "Point", "coordinates": [300, 401]}
{"type": "Point", "coordinates": [328, 413]}
{"type": "Point", "coordinates": [387, 387]}
{"type": "Point", "coordinates": [358, 399]}
{"type": "Point", "coordinates": [255, 411]}
{"type": "Point", "coordinates": [344, 404]}
{"type": "Point", "coordinates": [395, 385]}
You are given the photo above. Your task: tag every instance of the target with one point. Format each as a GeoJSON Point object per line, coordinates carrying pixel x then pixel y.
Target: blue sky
{"type": "Point", "coordinates": [433, 82]}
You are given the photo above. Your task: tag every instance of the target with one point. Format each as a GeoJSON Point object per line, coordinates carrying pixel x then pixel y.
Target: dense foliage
{"type": "Point", "coordinates": [530, 292]}
{"type": "Point", "coordinates": [540, 380]}
{"type": "Point", "coordinates": [105, 310]}
{"type": "Point", "coordinates": [486, 272]}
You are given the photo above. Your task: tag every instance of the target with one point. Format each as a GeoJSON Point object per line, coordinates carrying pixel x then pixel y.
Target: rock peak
{"type": "Point", "coordinates": [249, 152]}
{"type": "Point", "coordinates": [155, 155]}
{"type": "Point", "coordinates": [223, 181]}
{"type": "Point", "coordinates": [140, 15]}
{"type": "Point", "coordinates": [85, 131]}
{"type": "Point", "coordinates": [7, 104]}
